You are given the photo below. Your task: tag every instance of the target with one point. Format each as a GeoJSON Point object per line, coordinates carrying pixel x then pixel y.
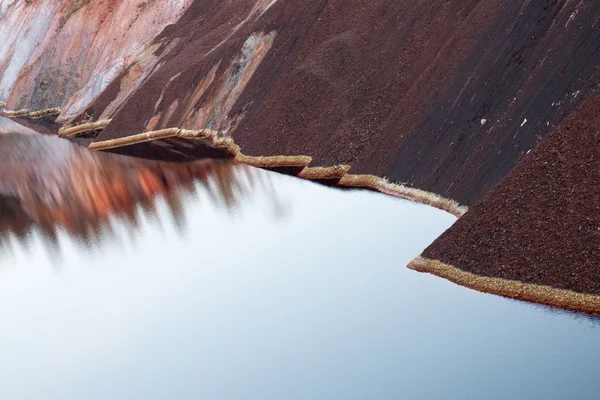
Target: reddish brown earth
{"type": "Point", "coordinates": [443, 95]}
{"type": "Point", "coordinates": [541, 224]}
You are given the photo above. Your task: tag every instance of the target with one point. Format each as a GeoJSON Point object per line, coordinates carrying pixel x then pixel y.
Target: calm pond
{"type": "Point", "coordinates": [269, 287]}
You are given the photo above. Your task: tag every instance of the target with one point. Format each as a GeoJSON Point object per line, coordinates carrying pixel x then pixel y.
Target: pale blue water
{"type": "Point", "coordinates": [295, 291]}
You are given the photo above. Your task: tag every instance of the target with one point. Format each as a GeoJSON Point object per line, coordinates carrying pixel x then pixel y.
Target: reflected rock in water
{"type": "Point", "coordinates": [50, 184]}
{"type": "Point", "coordinates": [9, 126]}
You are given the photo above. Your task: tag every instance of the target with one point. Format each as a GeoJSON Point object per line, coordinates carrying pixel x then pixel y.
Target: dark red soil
{"type": "Point", "coordinates": [541, 224]}
{"type": "Point", "coordinates": [395, 88]}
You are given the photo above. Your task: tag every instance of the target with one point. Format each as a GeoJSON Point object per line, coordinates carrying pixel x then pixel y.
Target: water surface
{"type": "Point", "coordinates": [271, 288]}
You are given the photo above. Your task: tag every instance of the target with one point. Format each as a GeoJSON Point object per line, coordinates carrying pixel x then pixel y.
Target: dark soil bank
{"type": "Point", "coordinates": [445, 95]}
{"type": "Point", "coordinates": [541, 224]}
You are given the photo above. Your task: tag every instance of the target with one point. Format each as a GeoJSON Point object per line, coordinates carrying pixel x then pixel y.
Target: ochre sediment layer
{"type": "Point", "coordinates": [188, 139]}
{"type": "Point", "coordinates": [335, 173]}
{"type": "Point", "coordinates": [83, 128]}
{"type": "Point", "coordinates": [28, 113]}
{"type": "Point", "coordinates": [510, 288]}
{"type": "Point", "coordinates": [382, 185]}
{"type": "Point", "coordinates": [268, 162]}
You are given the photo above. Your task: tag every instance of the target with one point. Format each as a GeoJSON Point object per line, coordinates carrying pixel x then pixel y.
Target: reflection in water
{"type": "Point", "coordinates": [48, 185]}
{"type": "Point", "coordinates": [9, 126]}
{"type": "Point", "coordinates": [317, 305]}
{"type": "Point", "coordinates": [592, 320]}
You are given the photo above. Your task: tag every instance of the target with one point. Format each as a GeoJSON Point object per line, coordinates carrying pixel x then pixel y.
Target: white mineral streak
{"type": "Point", "coordinates": [4, 4]}
{"type": "Point", "coordinates": [9, 126]}
{"type": "Point", "coordinates": [100, 39]}
{"type": "Point", "coordinates": [23, 27]}
{"type": "Point", "coordinates": [144, 63]}
{"type": "Point", "coordinates": [214, 112]}
{"type": "Point", "coordinates": [122, 43]}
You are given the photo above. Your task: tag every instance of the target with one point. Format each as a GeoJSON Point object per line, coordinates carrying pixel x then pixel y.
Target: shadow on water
{"type": "Point", "coordinates": [49, 186]}
{"type": "Point", "coordinates": [592, 320]}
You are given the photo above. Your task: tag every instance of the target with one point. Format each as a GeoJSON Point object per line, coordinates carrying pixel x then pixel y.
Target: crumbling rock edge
{"type": "Point", "coordinates": [541, 294]}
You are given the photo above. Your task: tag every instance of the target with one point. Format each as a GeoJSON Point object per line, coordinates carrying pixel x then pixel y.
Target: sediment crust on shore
{"type": "Point", "coordinates": [71, 131]}
{"type": "Point", "coordinates": [28, 113]}
{"type": "Point", "coordinates": [542, 294]}
{"type": "Point", "coordinates": [298, 166]}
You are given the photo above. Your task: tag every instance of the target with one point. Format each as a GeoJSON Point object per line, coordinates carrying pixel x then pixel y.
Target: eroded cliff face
{"type": "Point", "coordinates": [63, 53]}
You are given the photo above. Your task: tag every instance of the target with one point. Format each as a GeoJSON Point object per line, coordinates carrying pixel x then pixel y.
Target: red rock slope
{"type": "Point", "coordinates": [444, 95]}
{"type": "Point", "coordinates": [539, 227]}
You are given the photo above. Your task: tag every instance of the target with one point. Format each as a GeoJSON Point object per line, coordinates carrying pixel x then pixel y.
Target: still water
{"type": "Point", "coordinates": [262, 286]}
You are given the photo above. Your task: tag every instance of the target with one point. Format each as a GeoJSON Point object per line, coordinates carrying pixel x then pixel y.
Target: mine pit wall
{"type": "Point", "coordinates": [446, 96]}
{"type": "Point", "coordinates": [532, 64]}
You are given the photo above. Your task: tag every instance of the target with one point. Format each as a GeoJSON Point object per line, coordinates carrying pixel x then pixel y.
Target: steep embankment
{"type": "Point", "coordinates": [536, 235]}
{"type": "Point", "coordinates": [444, 95]}
{"type": "Point", "coordinates": [63, 53]}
